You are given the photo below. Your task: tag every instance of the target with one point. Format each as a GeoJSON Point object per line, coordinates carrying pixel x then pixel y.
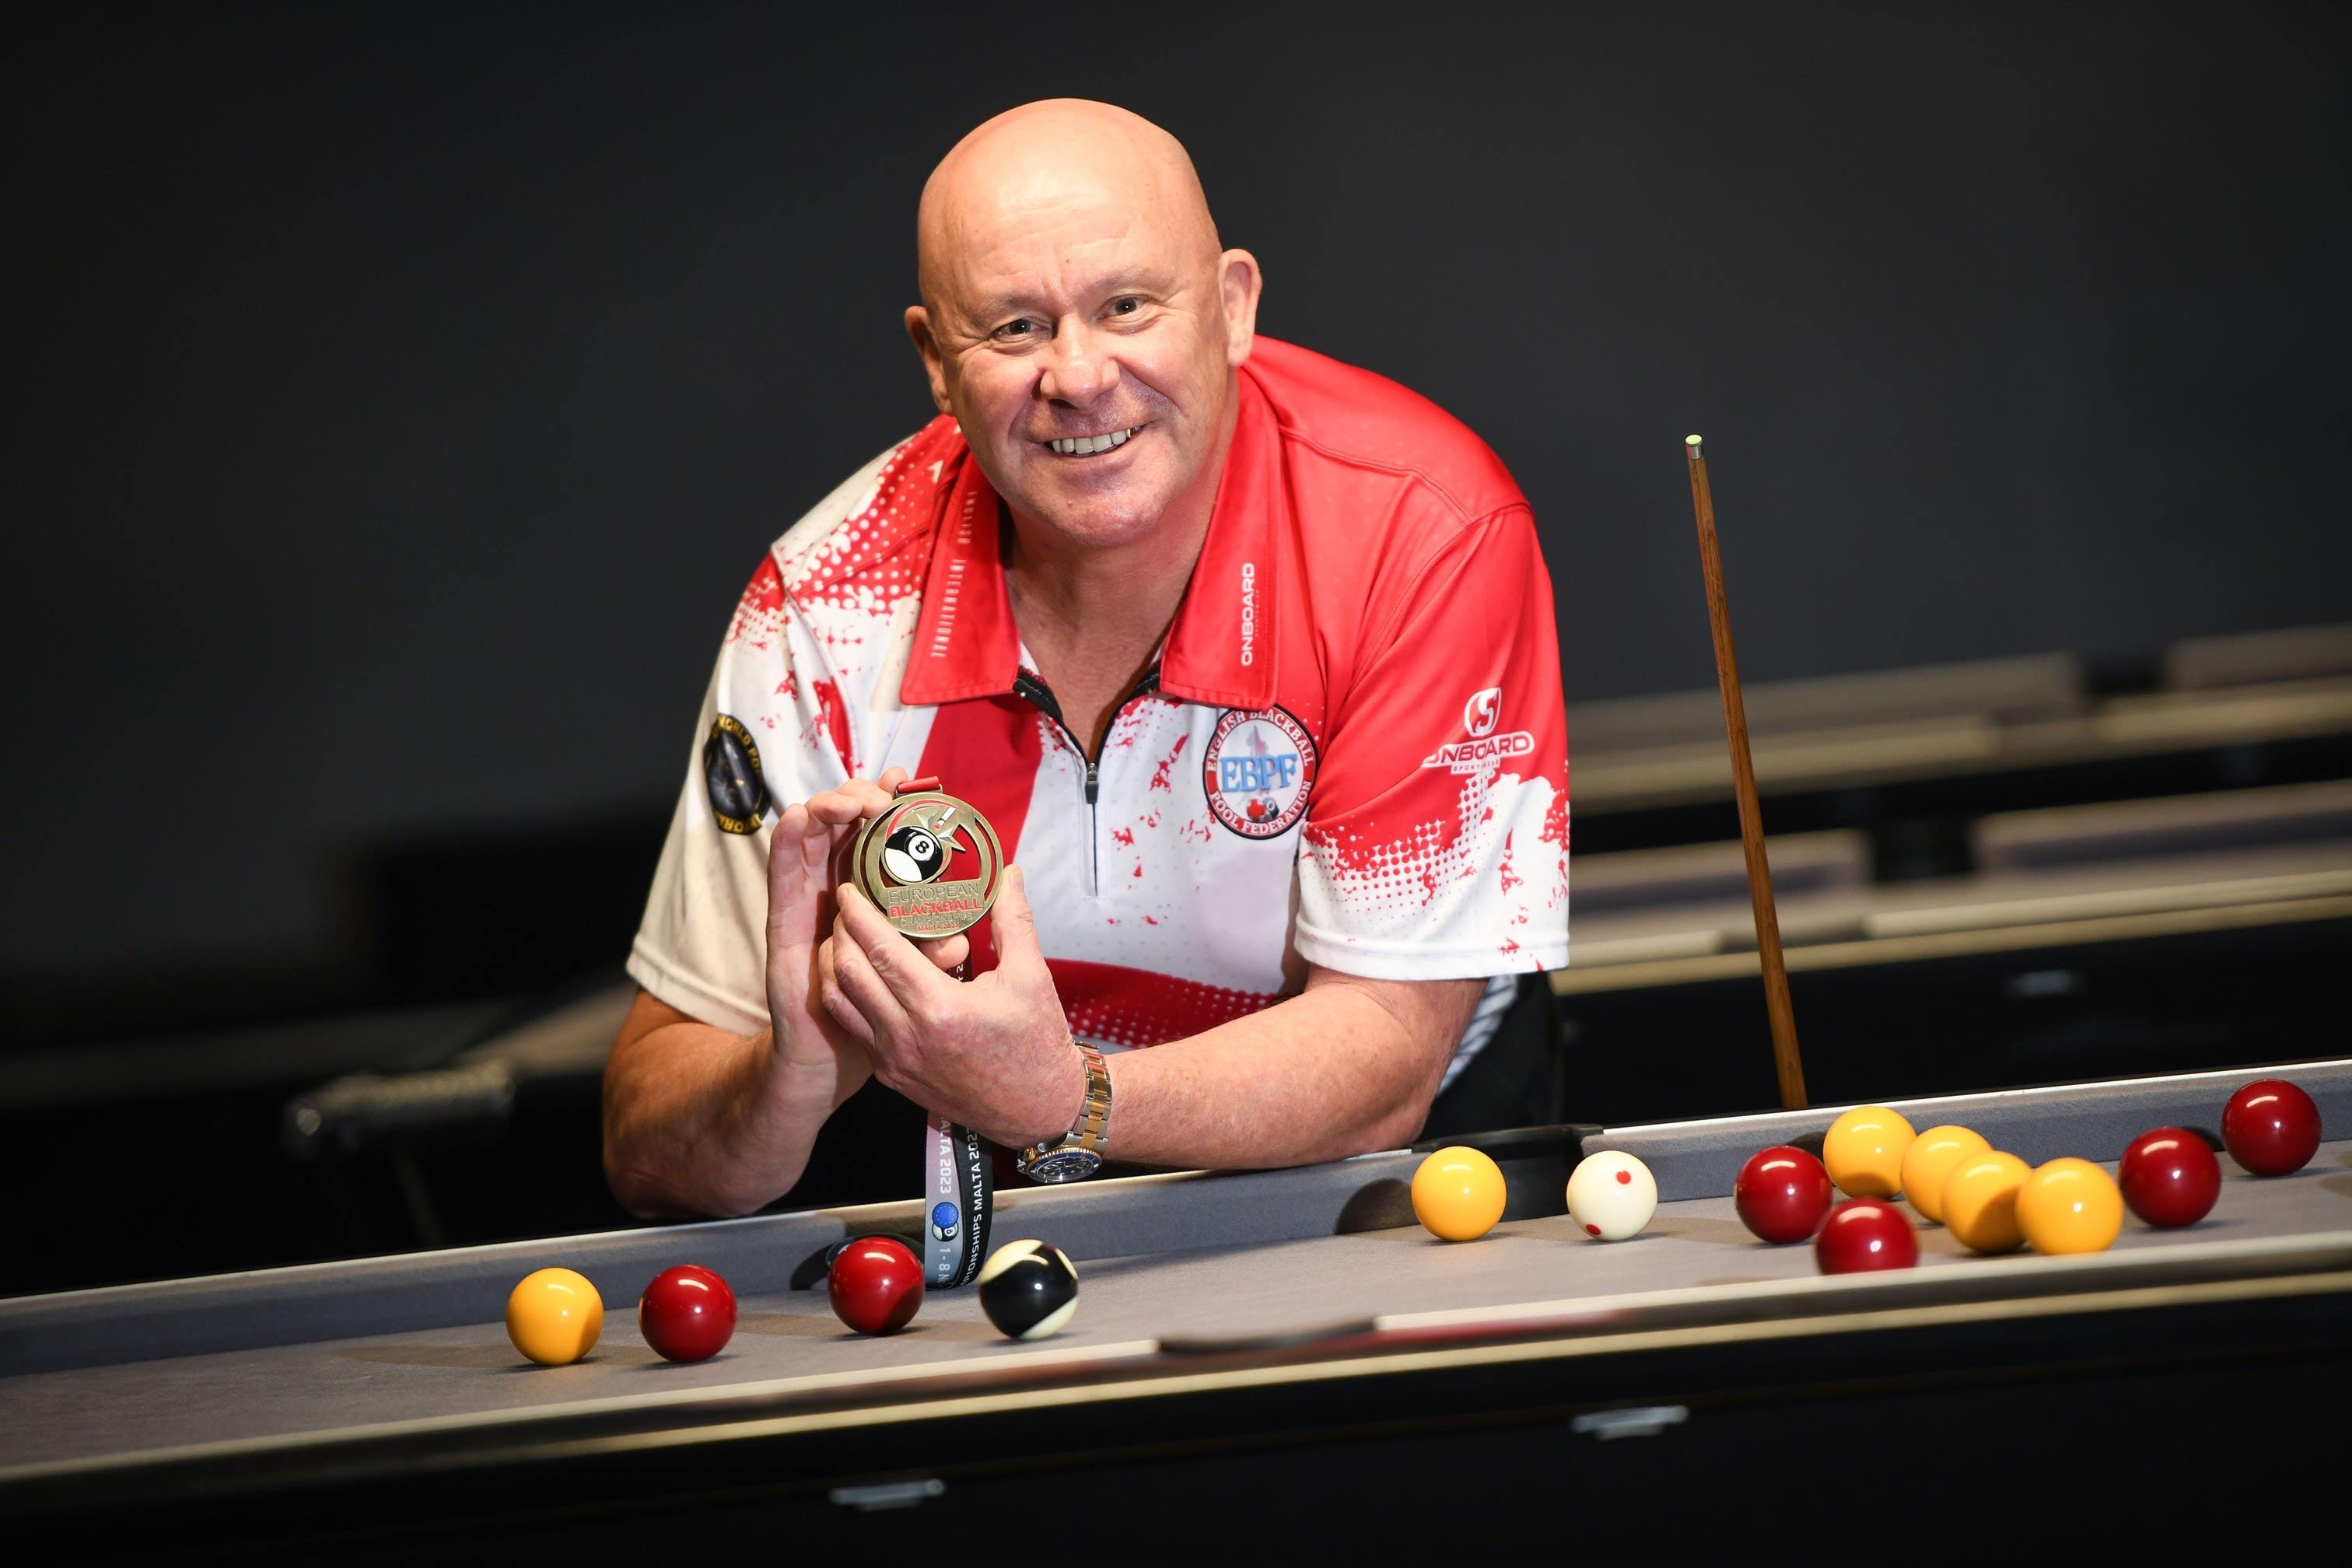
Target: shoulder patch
{"type": "Point", "coordinates": [730, 767]}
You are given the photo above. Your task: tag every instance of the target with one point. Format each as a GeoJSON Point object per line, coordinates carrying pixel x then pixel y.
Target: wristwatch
{"type": "Point", "coordinates": [1077, 1154]}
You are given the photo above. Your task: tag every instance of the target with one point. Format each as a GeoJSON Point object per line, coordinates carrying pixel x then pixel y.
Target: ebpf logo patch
{"type": "Point", "coordinates": [1259, 771]}
{"type": "Point", "coordinates": [730, 767]}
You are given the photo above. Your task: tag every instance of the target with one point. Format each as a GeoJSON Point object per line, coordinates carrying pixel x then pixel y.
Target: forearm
{"type": "Point", "coordinates": [701, 1121]}
{"type": "Point", "coordinates": [1343, 1068]}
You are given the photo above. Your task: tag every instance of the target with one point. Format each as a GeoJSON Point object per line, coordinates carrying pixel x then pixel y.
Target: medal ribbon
{"type": "Point", "coordinates": [958, 1195]}
{"type": "Point", "coordinates": [959, 1168]}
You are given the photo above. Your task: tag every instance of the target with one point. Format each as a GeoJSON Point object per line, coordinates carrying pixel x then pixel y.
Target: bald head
{"type": "Point", "coordinates": [1051, 157]}
{"type": "Point", "coordinates": [1079, 321]}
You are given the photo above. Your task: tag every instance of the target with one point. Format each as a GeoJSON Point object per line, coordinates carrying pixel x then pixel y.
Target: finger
{"type": "Point", "coordinates": [843, 1014]}
{"type": "Point", "coordinates": [783, 848]}
{"type": "Point", "coordinates": [837, 1005]}
{"type": "Point", "coordinates": [837, 808]}
{"type": "Point", "coordinates": [817, 845]}
{"type": "Point", "coordinates": [857, 980]}
{"type": "Point", "coordinates": [806, 828]}
{"type": "Point", "coordinates": [803, 846]}
{"type": "Point", "coordinates": [918, 987]}
{"type": "Point", "coordinates": [821, 843]}
{"type": "Point", "coordinates": [1015, 928]}
{"type": "Point", "coordinates": [792, 912]}
{"type": "Point", "coordinates": [947, 952]}
{"type": "Point", "coordinates": [852, 800]}
{"type": "Point", "coordinates": [891, 779]}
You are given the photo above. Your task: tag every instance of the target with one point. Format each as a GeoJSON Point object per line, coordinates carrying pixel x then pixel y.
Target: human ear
{"type": "Point", "coordinates": [1239, 282]}
{"type": "Point", "coordinates": [919, 328]}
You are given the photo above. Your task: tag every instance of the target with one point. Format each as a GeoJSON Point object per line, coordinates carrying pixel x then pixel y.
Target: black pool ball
{"type": "Point", "coordinates": [1028, 1290]}
{"type": "Point", "coordinates": [912, 854]}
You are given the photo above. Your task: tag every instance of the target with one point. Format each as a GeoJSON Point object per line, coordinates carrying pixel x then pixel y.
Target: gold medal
{"type": "Point", "coordinates": [903, 861]}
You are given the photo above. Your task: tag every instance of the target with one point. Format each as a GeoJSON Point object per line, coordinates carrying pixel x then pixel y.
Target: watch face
{"type": "Point", "coordinates": [1065, 1165]}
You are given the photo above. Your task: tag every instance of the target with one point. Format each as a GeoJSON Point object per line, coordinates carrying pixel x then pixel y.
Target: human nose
{"type": "Point", "coordinates": [1076, 369]}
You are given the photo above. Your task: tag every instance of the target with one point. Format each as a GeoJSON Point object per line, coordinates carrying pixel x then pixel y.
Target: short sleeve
{"type": "Point", "coordinates": [764, 742]}
{"type": "Point", "coordinates": [1436, 840]}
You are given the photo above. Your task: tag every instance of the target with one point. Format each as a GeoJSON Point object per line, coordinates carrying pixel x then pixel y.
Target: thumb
{"type": "Point", "coordinates": [797, 871]}
{"type": "Point", "coordinates": [1015, 927]}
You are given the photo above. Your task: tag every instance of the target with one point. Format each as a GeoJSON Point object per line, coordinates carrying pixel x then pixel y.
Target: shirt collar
{"type": "Point", "coordinates": [1220, 650]}
{"type": "Point", "coordinates": [965, 642]}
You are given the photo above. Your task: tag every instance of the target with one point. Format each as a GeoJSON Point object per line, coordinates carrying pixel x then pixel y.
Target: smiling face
{"type": "Point", "coordinates": [1078, 320]}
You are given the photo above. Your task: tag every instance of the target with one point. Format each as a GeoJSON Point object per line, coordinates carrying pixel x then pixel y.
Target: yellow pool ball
{"type": "Point", "coordinates": [1981, 1201]}
{"type": "Point", "coordinates": [1929, 1160]}
{"type": "Point", "coordinates": [554, 1316]}
{"type": "Point", "coordinates": [2070, 1205]}
{"type": "Point", "coordinates": [1457, 1193]}
{"type": "Point", "coordinates": [1863, 1150]}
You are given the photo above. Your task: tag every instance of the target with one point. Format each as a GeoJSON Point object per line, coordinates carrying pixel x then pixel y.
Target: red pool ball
{"type": "Point", "coordinates": [1781, 1194]}
{"type": "Point", "coordinates": [2170, 1177]}
{"type": "Point", "coordinates": [1864, 1234]}
{"type": "Point", "coordinates": [876, 1284]}
{"type": "Point", "coordinates": [687, 1313]}
{"type": "Point", "coordinates": [2272, 1127]}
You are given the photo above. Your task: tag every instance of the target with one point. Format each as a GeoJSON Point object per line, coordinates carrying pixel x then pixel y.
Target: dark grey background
{"type": "Point", "coordinates": [404, 394]}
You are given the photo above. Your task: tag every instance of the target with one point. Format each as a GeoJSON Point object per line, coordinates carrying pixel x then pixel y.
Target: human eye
{"type": "Point", "coordinates": [1019, 329]}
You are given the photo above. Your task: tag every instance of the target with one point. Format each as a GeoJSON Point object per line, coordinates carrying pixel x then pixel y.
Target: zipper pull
{"type": "Point", "coordinates": [1094, 779]}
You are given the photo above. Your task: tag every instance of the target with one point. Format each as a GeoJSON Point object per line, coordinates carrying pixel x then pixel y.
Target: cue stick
{"type": "Point", "coordinates": [1785, 1060]}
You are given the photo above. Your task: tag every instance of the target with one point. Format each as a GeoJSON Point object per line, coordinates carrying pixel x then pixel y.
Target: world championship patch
{"type": "Point", "coordinates": [730, 767]}
{"type": "Point", "coordinates": [1259, 771]}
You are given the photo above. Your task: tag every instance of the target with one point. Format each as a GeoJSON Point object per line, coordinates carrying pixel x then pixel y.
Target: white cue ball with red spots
{"type": "Point", "coordinates": [1611, 1197]}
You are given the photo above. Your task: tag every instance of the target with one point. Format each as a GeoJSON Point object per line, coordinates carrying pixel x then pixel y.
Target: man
{"type": "Point", "coordinates": [1248, 655]}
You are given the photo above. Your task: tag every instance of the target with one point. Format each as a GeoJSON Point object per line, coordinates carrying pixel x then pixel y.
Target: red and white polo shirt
{"type": "Point", "coordinates": [1351, 751]}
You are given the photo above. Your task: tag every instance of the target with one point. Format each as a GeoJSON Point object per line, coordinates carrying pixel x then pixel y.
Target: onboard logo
{"type": "Point", "coordinates": [1478, 714]}
{"type": "Point", "coordinates": [1479, 717]}
{"type": "Point", "coordinates": [1249, 612]}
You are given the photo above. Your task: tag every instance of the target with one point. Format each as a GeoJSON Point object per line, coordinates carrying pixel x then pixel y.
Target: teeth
{"type": "Point", "coordinates": [1087, 446]}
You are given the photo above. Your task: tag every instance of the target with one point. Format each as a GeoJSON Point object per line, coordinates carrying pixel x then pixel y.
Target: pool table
{"type": "Point", "coordinates": [1286, 1348]}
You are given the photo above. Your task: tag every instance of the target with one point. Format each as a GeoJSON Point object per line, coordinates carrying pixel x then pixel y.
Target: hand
{"type": "Point", "coordinates": [817, 1054]}
{"type": "Point", "coordinates": [994, 1054]}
